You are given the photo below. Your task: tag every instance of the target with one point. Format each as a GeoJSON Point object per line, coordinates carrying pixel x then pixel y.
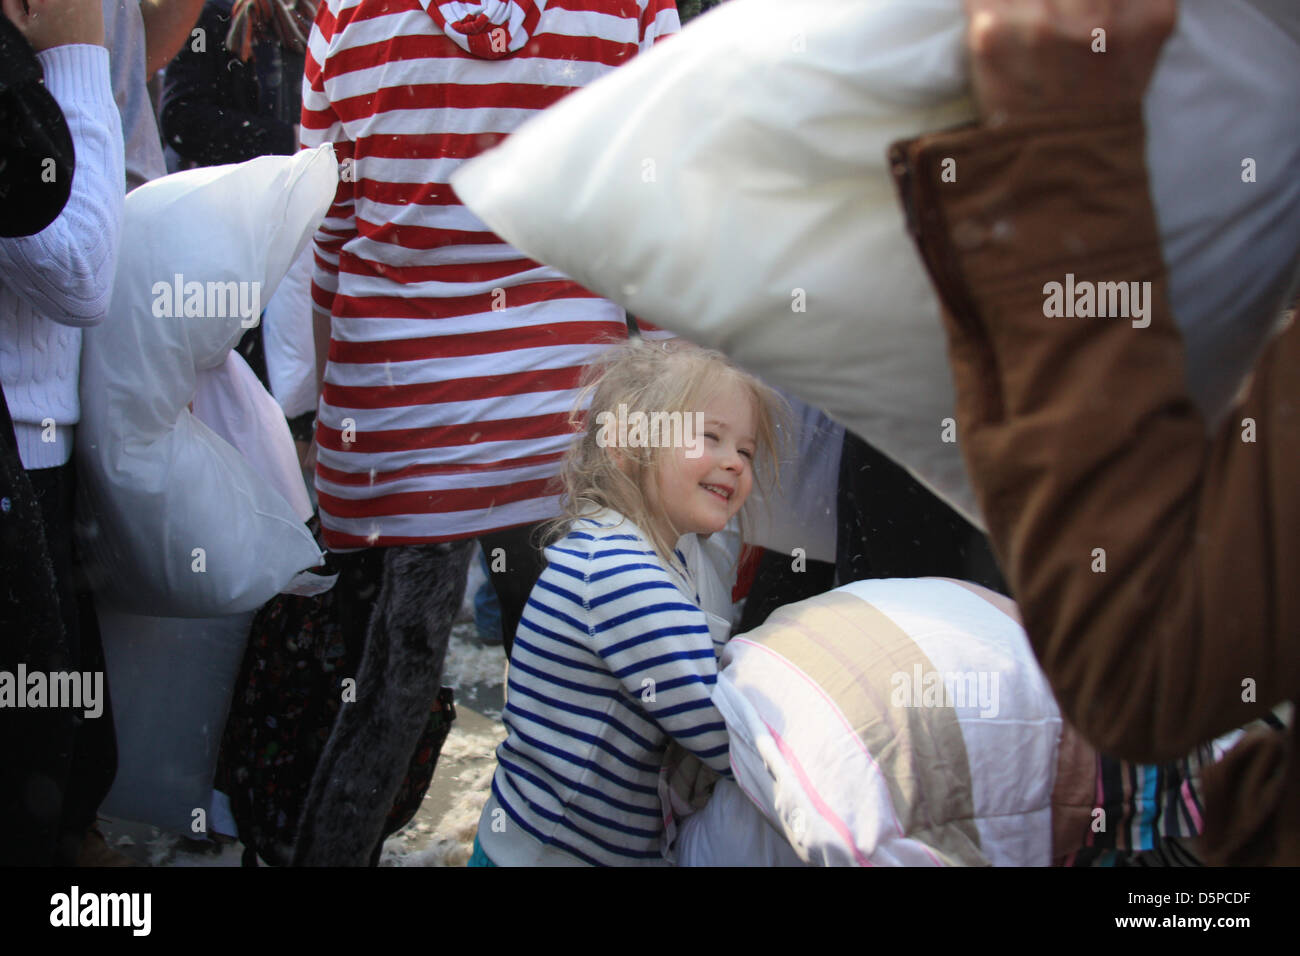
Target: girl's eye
{"type": "Point", "coordinates": [710, 435]}
{"type": "Point", "coordinates": [747, 453]}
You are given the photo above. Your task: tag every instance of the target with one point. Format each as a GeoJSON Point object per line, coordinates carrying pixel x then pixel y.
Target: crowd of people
{"type": "Point", "coordinates": [460, 384]}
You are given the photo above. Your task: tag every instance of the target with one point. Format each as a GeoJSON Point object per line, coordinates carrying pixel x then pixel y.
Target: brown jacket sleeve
{"type": "Point", "coordinates": [1083, 444]}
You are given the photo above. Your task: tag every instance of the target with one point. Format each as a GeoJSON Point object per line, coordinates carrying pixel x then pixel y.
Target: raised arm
{"type": "Point", "coordinates": [167, 25]}
{"type": "Point", "coordinates": [1151, 562]}
{"type": "Point", "coordinates": [65, 271]}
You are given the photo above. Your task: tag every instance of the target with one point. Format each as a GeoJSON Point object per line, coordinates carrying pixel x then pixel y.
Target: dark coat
{"type": "Point", "coordinates": [217, 109]}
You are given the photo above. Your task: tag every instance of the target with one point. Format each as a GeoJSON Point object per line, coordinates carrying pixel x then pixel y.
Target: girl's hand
{"type": "Point", "coordinates": [1033, 56]}
{"type": "Point", "coordinates": [51, 23]}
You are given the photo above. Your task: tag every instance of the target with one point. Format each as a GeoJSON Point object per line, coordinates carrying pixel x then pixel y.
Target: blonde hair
{"type": "Point", "coordinates": [654, 377]}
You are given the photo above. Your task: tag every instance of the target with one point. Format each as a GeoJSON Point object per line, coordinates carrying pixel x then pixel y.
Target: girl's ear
{"type": "Point", "coordinates": [620, 459]}
{"type": "Point", "coordinates": [630, 461]}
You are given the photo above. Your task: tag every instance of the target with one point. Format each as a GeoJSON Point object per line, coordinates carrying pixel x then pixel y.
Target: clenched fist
{"type": "Point", "coordinates": [1034, 56]}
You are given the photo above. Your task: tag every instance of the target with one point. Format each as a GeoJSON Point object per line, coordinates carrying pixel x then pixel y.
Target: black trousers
{"type": "Point", "coordinates": [398, 603]}
{"type": "Point", "coordinates": [404, 599]}
{"type": "Point", "coordinates": [56, 765]}
{"type": "Point", "coordinates": [513, 570]}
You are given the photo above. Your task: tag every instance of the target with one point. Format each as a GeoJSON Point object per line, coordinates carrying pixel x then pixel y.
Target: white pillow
{"type": "Point", "coordinates": [287, 335]}
{"type": "Point", "coordinates": [172, 682]}
{"type": "Point", "coordinates": [176, 522]}
{"type": "Point", "coordinates": [737, 173]}
{"type": "Point", "coordinates": [730, 831]}
{"type": "Point", "coordinates": [233, 403]}
{"type": "Point", "coordinates": [893, 722]}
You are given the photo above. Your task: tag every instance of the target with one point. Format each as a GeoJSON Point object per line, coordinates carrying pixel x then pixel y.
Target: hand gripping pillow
{"type": "Point", "coordinates": [895, 722]}
{"type": "Point", "coordinates": [179, 523]}
{"type": "Point", "coordinates": [732, 185]}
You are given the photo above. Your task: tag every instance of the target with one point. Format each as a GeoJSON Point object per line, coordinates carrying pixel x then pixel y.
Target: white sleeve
{"type": "Point", "coordinates": [65, 271]}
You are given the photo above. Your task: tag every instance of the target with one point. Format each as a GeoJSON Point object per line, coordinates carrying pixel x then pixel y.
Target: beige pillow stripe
{"type": "Point", "coordinates": [852, 651]}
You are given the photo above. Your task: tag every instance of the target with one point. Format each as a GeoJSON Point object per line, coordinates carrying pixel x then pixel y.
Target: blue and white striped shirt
{"type": "Point", "coordinates": [612, 657]}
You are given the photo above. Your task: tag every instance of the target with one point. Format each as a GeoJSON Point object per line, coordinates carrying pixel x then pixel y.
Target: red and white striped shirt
{"type": "Point", "coordinates": [453, 360]}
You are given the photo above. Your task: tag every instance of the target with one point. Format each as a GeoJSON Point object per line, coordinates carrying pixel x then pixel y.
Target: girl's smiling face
{"type": "Point", "coordinates": [702, 494]}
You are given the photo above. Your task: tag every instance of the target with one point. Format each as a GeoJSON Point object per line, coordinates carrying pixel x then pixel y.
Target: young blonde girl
{"type": "Point", "coordinates": [613, 656]}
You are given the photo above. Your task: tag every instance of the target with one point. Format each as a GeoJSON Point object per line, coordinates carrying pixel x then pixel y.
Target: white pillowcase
{"type": "Point", "coordinates": [736, 174]}
{"type": "Point", "coordinates": [892, 722]}
{"type": "Point", "coordinates": [172, 683]}
{"type": "Point", "coordinates": [176, 521]}
{"type": "Point", "coordinates": [232, 402]}
{"type": "Point", "coordinates": [287, 335]}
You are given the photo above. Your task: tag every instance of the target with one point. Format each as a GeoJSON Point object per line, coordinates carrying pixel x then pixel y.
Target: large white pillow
{"type": "Point", "coordinates": [737, 173]}
{"type": "Point", "coordinates": [233, 403]}
{"type": "Point", "coordinates": [893, 722]}
{"type": "Point", "coordinates": [172, 681]}
{"type": "Point", "coordinates": [176, 522]}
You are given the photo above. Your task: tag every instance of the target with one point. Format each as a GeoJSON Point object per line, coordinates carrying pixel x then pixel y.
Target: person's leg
{"type": "Point", "coordinates": [515, 562]}
{"type": "Point", "coordinates": [370, 746]}
{"type": "Point", "coordinates": [94, 758]}
{"type": "Point", "coordinates": [361, 575]}
{"type": "Point", "coordinates": [94, 761]}
{"type": "Point", "coordinates": [487, 606]}
{"type": "Point", "coordinates": [53, 487]}
{"type": "Point", "coordinates": [478, 857]}
{"type": "Point", "coordinates": [36, 744]}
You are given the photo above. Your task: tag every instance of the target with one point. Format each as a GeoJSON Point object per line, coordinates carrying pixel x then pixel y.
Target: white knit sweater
{"type": "Point", "coordinates": [59, 280]}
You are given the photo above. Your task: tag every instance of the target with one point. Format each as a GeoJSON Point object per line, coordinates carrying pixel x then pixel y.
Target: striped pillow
{"type": "Point", "coordinates": [898, 722]}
